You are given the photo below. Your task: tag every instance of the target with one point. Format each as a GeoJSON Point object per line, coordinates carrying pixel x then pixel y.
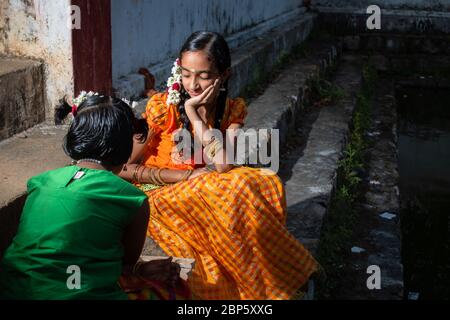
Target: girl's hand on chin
{"type": "Point", "coordinates": [206, 97]}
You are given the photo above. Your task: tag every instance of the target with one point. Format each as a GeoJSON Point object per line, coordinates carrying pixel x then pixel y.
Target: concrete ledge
{"type": "Point", "coordinates": [253, 60]}
{"type": "Point", "coordinates": [390, 43]}
{"type": "Point", "coordinates": [282, 102]}
{"type": "Point", "coordinates": [313, 174]}
{"type": "Point", "coordinates": [34, 151]}
{"type": "Point", "coordinates": [420, 69]}
{"type": "Point", "coordinates": [253, 51]}
{"type": "Point", "coordinates": [22, 100]}
{"type": "Point", "coordinates": [258, 31]}
{"type": "Point", "coordinates": [352, 20]}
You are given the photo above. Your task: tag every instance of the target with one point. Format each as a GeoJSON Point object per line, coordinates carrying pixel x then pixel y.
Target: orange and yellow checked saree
{"type": "Point", "coordinates": [232, 224]}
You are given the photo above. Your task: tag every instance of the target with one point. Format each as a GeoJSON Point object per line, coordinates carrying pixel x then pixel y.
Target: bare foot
{"type": "Point", "coordinates": [165, 271]}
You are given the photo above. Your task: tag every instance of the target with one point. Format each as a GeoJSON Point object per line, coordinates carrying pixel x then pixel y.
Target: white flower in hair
{"type": "Point", "coordinates": [83, 96]}
{"type": "Point", "coordinates": [170, 82]}
{"type": "Point", "coordinates": [174, 85]}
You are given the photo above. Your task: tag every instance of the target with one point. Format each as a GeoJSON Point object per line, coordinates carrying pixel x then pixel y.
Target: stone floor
{"type": "Point", "coordinates": [28, 153]}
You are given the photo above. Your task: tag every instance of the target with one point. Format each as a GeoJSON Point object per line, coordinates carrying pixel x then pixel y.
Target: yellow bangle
{"type": "Point", "coordinates": [213, 150]}
{"type": "Point", "coordinates": [135, 173]}
{"type": "Point", "coordinates": [213, 138]}
{"type": "Point", "coordinates": [142, 173]}
{"type": "Point", "coordinates": [150, 176]}
{"type": "Point", "coordinates": [186, 175]}
{"type": "Point", "coordinates": [153, 178]}
{"type": "Point", "coordinates": [158, 177]}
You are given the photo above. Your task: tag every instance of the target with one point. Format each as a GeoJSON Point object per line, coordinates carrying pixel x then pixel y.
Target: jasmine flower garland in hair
{"type": "Point", "coordinates": [174, 84]}
{"type": "Point", "coordinates": [76, 102]}
{"type": "Point", "coordinates": [83, 96]}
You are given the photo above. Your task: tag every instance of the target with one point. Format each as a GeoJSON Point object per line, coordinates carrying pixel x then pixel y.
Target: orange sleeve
{"type": "Point", "coordinates": [156, 112]}
{"type": "Point", "coordinates": [238, 111]}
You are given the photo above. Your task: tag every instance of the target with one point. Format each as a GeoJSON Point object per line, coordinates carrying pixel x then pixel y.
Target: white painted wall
{"type": "Point", "coordinates": [437, 5]}
{"type": "Point", "coordinates": [38, 29]}
{"type": "Point", "coordinates": [147, 32]}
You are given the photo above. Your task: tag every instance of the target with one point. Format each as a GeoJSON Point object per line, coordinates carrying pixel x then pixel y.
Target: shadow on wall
{"type": "Point", "coordinates": [9, 222]}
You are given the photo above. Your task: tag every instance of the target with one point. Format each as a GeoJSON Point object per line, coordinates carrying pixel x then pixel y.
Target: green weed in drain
{"type": "Point", "coordinates": [338, 226]}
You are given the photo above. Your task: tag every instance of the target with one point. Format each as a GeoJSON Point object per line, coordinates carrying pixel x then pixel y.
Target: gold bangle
{"type": "Point", "coordinates": [150, 177]}
{"type": "Point", "coordinates": [213, 138]}
{"type": "Point", "coordinates": [159, 179]}
{"type": "Point", "coordinates": [218, 149]}
{"type": "Point", "coordinates": [213, 150]}
{"type": "Point", "coordinates": [155, 182]}
{"type": "Point", "coordinates": [135, 173]}
{"type": "Point", "coordinates": [208, 150]}
{"type": "Point", "coordinates": [186, 175]}
{"type": "Point", "coordinates": [142, 173]}
{"type": "Point", "coordinates": [155, 177]}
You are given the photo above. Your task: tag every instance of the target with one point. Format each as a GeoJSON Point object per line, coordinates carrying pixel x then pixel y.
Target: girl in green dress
{"type": "Point", "coordinates": [82, 226]}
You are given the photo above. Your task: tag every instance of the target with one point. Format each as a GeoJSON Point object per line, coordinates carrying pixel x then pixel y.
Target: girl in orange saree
{"type": "Point", "coordinates": [230, 219]}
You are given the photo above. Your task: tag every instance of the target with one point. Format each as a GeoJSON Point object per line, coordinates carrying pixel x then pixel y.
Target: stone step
{"type": "Point", "coordinates": [351, 20]}
{"type": "Point", "coordinates": [312, 169]}
{"type": "Point", "coordinates": [22, 99]}
{"type": "Point", "coordinates": [398, 43]}
{"type": "Point", "coordinates": [282, 103]}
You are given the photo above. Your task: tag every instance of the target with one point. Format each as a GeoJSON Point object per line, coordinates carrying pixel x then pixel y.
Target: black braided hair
{"type": "Point", "coordinates": [217, 48]}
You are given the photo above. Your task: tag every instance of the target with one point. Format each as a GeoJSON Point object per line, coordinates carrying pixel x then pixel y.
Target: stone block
{"type": "Point", "coordinates": [22, 98]}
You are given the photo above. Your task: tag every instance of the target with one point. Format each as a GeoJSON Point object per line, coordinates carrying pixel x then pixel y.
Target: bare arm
{"type": "Point", "coordinates": [134, 172]}
{"type": "Point", "coordinates": [134, 235]}
{"type": "Point", "coordinates": [133, 242]}
{"type": "Point", "coordinates": [220, 159]}
{"type": "Point", "coordinates": [141, 174]}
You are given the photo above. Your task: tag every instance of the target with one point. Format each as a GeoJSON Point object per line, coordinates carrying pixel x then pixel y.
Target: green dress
{"type": "Point", "coordinates": [68, 221]}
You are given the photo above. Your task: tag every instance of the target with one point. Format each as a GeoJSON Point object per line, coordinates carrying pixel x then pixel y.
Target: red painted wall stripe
{"type": "Point", "coordinates": [92, 60]}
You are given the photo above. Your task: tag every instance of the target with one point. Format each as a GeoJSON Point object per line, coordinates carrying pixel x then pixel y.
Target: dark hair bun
{"type": "Point", "coordinates": [103, 129]}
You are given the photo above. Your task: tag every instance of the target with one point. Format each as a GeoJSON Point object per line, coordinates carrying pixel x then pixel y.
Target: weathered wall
{"type": "Point", "coordinates": [38, 29]}
{"type": "Point", "coordinates": [146, 32]}
{"type": "Point", "coordinates": [22, 101]}
{"type": "Point", "coordinates": [433, 5]}
{"type": "Point", "coordinates": [3, 24]}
